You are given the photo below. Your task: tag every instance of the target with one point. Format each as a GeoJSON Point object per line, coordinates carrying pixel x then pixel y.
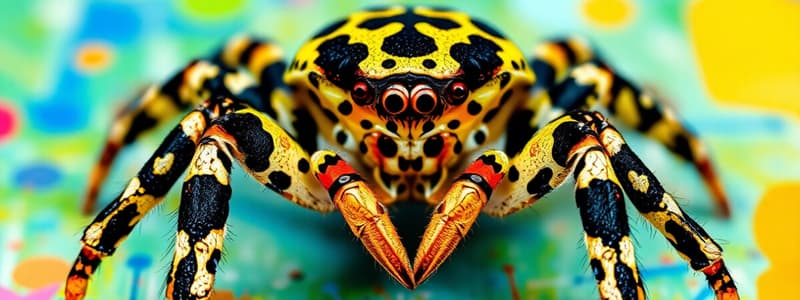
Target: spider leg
{"type": "Point", "coordinates": [366, 216]}
{"type": "Point", "coordinates": [201, 223]}
{"type": "Point", "coordinates": [267, 153]}
{"type": "Point", "coordinates": [586, 144]}
{"type": "Point", "coordinates": [271, 156]}
{"type": "Point", "coordinates": [143, 192]}
{"type": "Point", "coordinates": [457, 211]}
{"type": "Point", "coordinates": [574, 78]}
{"type": "Point", "coordinates": [196, 82]}
{"type": "Point", "coordinates": [648, 196]}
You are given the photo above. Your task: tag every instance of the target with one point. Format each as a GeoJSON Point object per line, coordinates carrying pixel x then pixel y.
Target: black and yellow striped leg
{"type": "Point", "coordinates": [605, 226]}
{"type": "Point", "coordinates": [661, 210]}
{"type": "Point", "coordinates": [552, 62]}
{"type": "Point", "coordinates": [197, 82]}
{"type": "Point", "coordinates": [571, 77]}
{"type": "Point", "coordinates": [267, 153]}
{"type": "Point", "coordinates": [570, 145]}
{"type": "Point", "coordinates": [271, 156]}
{"type": "Point", "coordinates": [647, 115]}
{"type": "Point", "coordinates": [102, 237]}
{"type": "Point", "coordinates": [201, 224]}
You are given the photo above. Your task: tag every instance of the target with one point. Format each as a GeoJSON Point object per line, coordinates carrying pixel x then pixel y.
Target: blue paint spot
{"type": "Point", "coordinates": [115, 22]}
{"type": "Point", "coordinates": [139, 262]}
{"type": "Point", "coordinates": [65, 111]}
{"type": "Point", "coordinates": [57, 117]}
{"type": "Point", "coordinates": [39, 176]}
{"type": "Point", "coordinates": [332, 290]}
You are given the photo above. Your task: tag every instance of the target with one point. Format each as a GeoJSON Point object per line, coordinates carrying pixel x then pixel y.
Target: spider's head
{"type": "Point", "coordinates": [408, 66]}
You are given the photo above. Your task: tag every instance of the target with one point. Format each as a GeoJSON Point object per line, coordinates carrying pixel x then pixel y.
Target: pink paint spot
{"type": "Point", "coordinates": [8, 122]}
{"type": "Point", "coordinates": [44, 293]}
{"type": "Point", "coordinates": [15, 245]}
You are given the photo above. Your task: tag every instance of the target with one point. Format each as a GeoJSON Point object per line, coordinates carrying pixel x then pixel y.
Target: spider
{"type": "Point", "coordinates": [403, 104]}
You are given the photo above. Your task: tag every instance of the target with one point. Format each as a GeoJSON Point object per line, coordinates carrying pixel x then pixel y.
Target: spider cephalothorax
{"type": "Point", "coordinates": [410, 90]}
{"type": "Point", "coordinates": [403, 103]}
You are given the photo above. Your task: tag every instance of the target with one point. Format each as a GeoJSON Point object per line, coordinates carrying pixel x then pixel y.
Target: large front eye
{"type": "Point", "coordinates": [395, 99]}
{"type": "Point", "coordinates": [361, 93]}
{"type": "Point", "coordinates": [423, 99]}
{"type": "Point", "coordinates": [457, 92]}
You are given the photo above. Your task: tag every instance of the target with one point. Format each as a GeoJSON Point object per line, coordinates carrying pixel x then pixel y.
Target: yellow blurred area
{"type": "Point", "coordinates": [608, 13]}
{"type": "Point", "coordinates": [778, 236]}
{"type": "Point", "coordinates": [749, 51]}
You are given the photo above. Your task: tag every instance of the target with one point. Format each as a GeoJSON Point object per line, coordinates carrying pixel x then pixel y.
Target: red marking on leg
{"type": "Point", "coordinates": [332, 172]}
{"type": "Point", "coordinates": [713, 268]}
{"type": "Point", "coordinates": [486, 171]}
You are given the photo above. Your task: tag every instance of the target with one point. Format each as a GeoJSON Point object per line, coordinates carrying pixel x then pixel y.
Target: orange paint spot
{"type": "Point", "coordinates": [748, 51]}
{"type": "Point", "coordinates": [38, 272]}
{"type": "Point", "coordinates": [778, 236]}
{"type": "Point", "coordinates": [608, 13]}
{"type": "Point", "coordinates": [666, 258]}
{"type": "Point", "coordinates": [93, 57]}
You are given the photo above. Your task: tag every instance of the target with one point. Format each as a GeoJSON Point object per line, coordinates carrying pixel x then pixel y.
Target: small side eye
{"type": "Point", "coordinates": [361, 93]}
{"type": "Point", "coordinates": [457, 92]}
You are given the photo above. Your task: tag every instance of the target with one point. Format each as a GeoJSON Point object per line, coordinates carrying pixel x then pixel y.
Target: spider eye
{"type": "Point", "coordinates": [395, 99]}
{"type": "Point", "coordinates": [423, 99]}
{"type": "Point", "coordinates": [457, 92]}
{"type": "Point", "coordinates": [361, 93]}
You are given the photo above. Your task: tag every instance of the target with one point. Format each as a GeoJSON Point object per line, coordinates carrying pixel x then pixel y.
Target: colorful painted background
{"type": "Point", "coordinates": [729, 67]}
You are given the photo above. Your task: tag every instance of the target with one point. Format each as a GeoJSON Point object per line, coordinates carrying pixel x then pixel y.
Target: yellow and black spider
{"type": "Point", "coordinates": [403, 104]}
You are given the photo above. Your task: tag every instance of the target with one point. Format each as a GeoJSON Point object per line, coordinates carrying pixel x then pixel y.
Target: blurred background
{"type": "Point", "coordinates": [730, 68]}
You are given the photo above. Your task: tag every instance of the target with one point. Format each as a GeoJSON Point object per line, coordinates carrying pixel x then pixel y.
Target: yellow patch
{"type": "Point", "coordinates": [193, 125]}
{"type": "Point", "coordinates": [182, 246]}
{"type": "Point", "coordinates": [590, 74]}
{"type": "Point", "coordinates": [237, 82]}
{"type": "Point", "coordinates": [747, 51]}
{"type": "Point", "coordinates": [639, 182]}
{"type": "Point", "coordinates": [234, 49]}
{"type": "Point", "coordinates": [194, 78]}
{"type": "Point", "coordinates": [612, 141]}
{"type": "Point", "coordinates": [608, 13]}
{"type": "Point", "coordinates": [206, 162]}
{"type": "Point", "coordinates": [91, 236]}
{"type": "Point", "coordinates": [263, 56]}
{"type": "Point", "coordinates": [162, 165]}
{"type": "Point", "coordinates": [778, 237]}
{"type": "Point", "coordinates": [597, 167]}
{"type": "Point", "coordinates": [626, 108]}
{"type": "Point", "coordinates": [203, 250]}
